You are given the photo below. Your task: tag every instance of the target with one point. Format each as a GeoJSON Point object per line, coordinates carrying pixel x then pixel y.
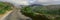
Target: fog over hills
{"type": "Point", "coordinates": [28, 2]}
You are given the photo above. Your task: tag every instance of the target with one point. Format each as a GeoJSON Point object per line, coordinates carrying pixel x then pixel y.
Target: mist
{"type": "Point", "coordinates": [28, 2]}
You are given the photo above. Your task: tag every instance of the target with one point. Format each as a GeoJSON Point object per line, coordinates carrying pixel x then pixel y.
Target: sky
{"type": "Point", "coordinates": [47, 2]}
{"type": "Point", "coordinates": [27, 2]}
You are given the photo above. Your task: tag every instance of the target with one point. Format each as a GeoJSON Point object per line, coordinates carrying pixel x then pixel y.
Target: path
{"type": "Point", "coordinates": [16, 15]}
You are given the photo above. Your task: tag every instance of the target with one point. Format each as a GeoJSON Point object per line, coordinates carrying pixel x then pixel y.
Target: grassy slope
{"type": "Point", "coordinates": [5, 6]}
{"type": "Point", "coordinates": [48, 12]}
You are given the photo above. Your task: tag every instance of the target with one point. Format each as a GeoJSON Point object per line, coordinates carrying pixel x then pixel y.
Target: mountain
{"type": "Point", "coordinates": [35, 5]}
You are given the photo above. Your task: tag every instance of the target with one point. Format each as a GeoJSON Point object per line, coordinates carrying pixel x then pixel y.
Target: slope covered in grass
{"type": "Point", "coordinates": [50, 12]}
{"type": "Point", "coordinates": [5, 6]}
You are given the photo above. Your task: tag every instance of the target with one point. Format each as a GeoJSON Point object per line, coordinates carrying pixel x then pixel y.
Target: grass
{"type": "Point", "coordinates": [44, 10]}
{"type": "Point", "coordinates": [5, 6]}
{"type": "Point", "coordinates": [28, 11]}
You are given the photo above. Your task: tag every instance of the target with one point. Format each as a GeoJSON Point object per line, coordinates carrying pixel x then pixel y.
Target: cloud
{"type": "Point", "coordinates": [27, 2]}
{"type": "Point", "coordinates": [22, 2]}
{"type": "Point", "coordinates": [42, 0]}
{"type": "Point", "coordinates": [47, 2]}
{"type": "Point", "coordinates": [19, 2]}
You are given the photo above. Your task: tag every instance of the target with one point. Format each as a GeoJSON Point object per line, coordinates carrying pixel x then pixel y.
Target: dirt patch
{"type": "Point", "coordinates": [4, 15]}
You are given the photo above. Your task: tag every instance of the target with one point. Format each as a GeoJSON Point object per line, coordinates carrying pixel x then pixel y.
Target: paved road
{"type": "Point", "coordinates": [16, 15]}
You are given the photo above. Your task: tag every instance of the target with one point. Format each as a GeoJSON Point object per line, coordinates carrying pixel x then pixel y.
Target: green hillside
{"type": "Point", "coordinates": [50, 12]}
{"type": "Point", "coordinates": [5, 6]}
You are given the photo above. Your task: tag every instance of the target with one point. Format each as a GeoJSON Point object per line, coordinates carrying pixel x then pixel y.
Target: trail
{"type": "Point", "coordinates": [7, 13]}
{"type": "Point", "coordinates": [16, 15]}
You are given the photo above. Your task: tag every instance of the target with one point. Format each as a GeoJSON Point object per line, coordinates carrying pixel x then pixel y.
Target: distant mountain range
{"type": "Point", "coordinates": [35, 5]}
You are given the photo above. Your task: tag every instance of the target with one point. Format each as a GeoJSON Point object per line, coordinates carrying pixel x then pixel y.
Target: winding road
{"type": "Point", "coordinates": [16, 15]}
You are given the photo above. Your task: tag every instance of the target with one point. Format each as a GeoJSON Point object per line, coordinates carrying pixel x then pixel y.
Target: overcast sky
{"type": "Point", "coordinates": [27, 2]}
